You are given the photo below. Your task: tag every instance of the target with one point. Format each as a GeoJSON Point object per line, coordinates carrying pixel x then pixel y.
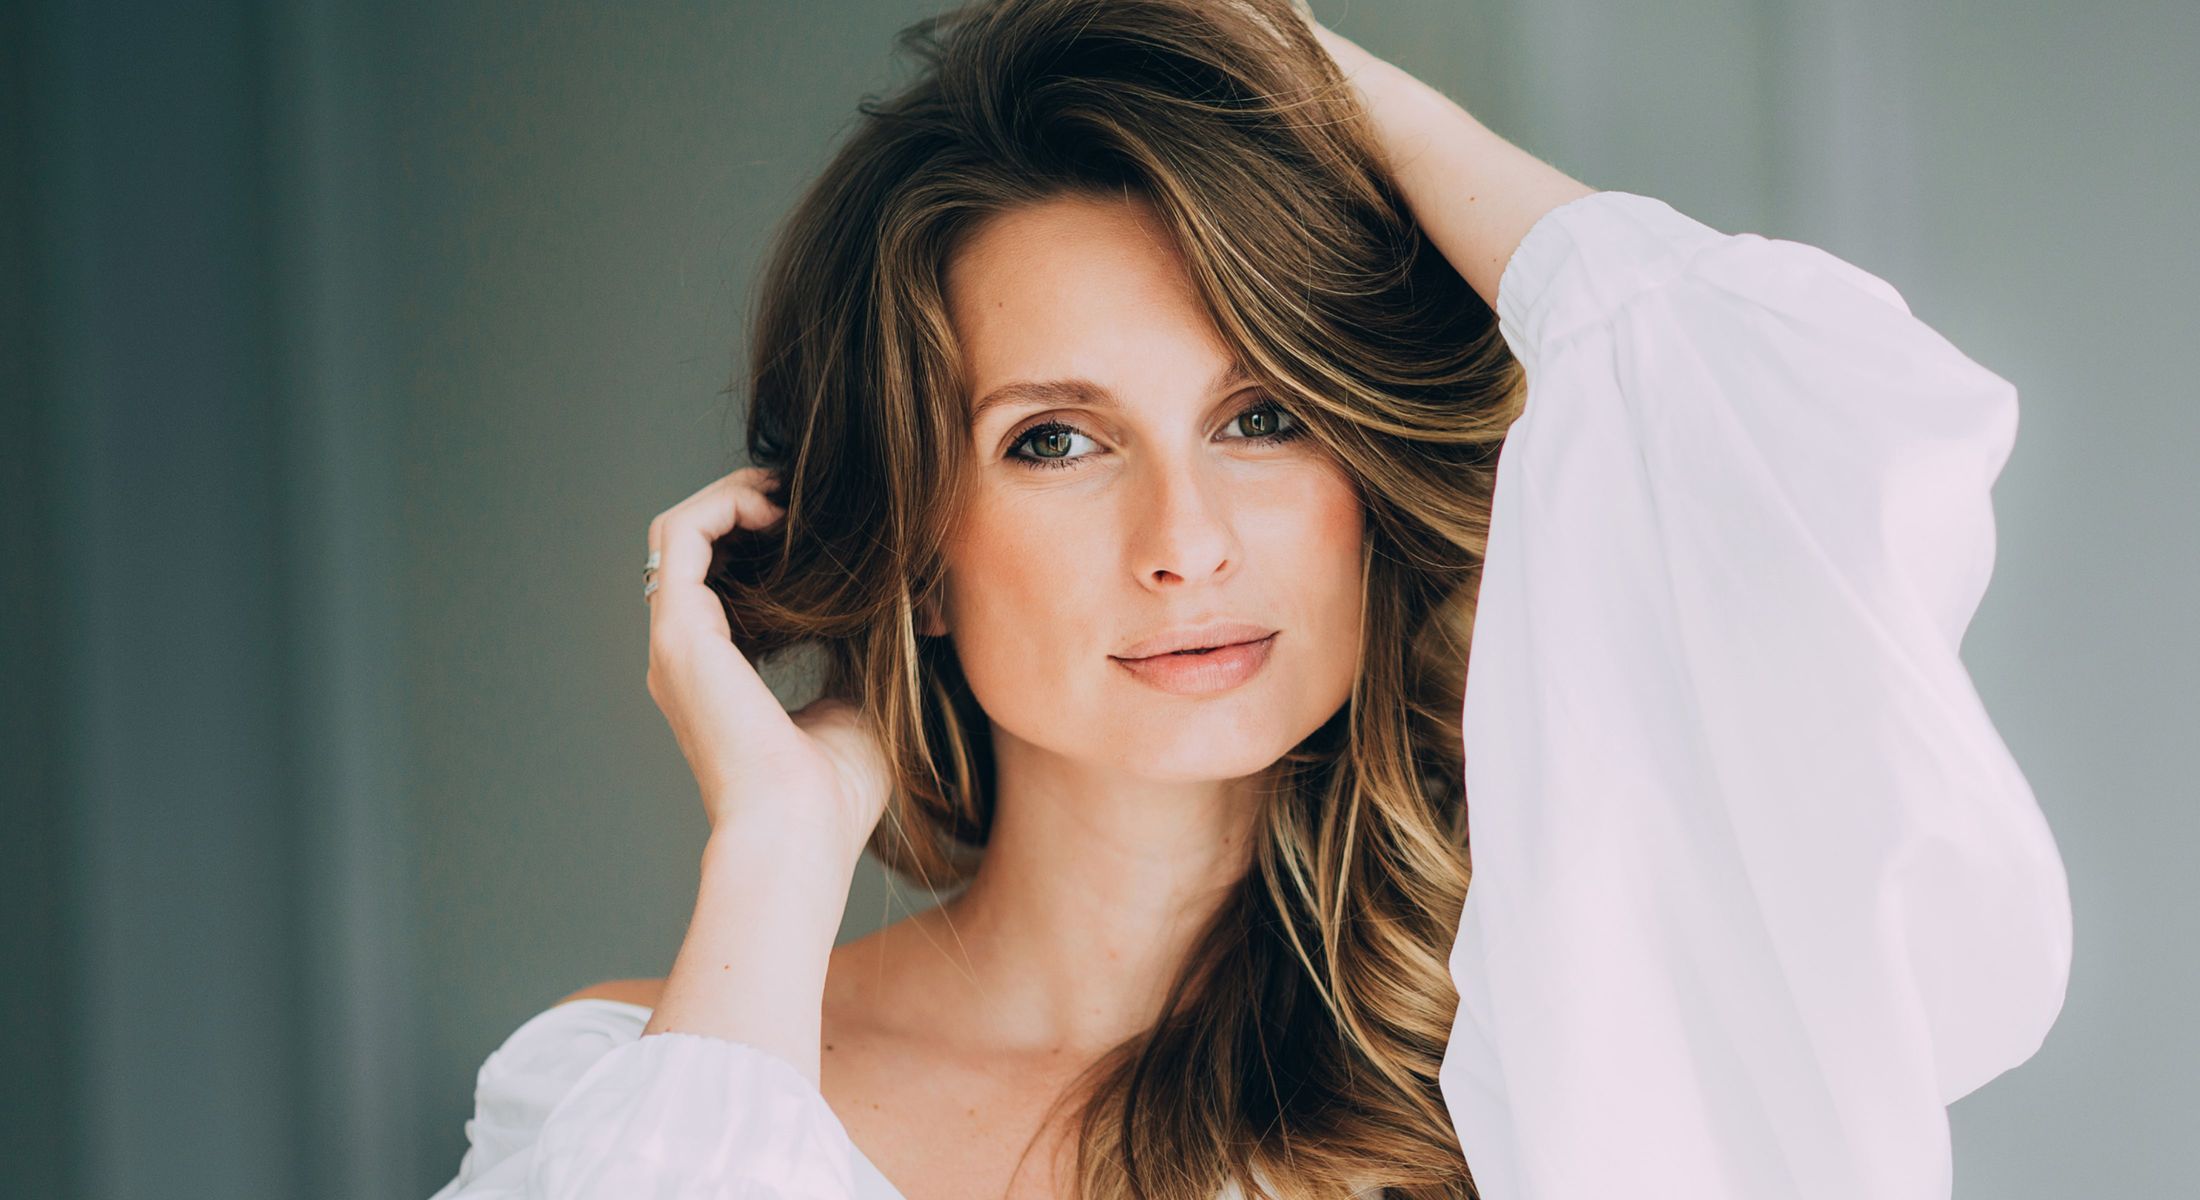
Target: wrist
{"type": "Point", "coordinates": [782, 849]}
{"type": "Point", "coordinates": [804, 891]}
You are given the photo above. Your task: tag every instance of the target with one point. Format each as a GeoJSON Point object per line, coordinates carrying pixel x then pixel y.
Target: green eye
{"type": "Point", "coordinates": [1267, 421]}
{"type": "Point", "coordinates": [1261, 422]}
{"type": "Point", "coordinates": [1049, 445]}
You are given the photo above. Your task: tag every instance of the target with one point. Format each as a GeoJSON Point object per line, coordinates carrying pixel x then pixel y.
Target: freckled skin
{"type": "Point", "coordinates": [1120, 808]}
{"type": "Point", "coordinates": [1119, 814]}
{"type": "Point", "coordinates": [1163, 520]}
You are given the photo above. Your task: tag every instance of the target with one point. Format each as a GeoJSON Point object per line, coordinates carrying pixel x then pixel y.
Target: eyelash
{"type": "Point", "coordinates": [1292, 431]}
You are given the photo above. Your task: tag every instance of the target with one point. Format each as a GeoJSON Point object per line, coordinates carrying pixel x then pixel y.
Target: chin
{"type": "Point", "coordinates": [1181, 748]}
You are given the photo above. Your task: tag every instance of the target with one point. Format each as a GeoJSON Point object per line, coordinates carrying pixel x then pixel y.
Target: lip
{"type": "Point", "coordinates": [1189, 637]}
{"type": "Point", "coordinates": [1215, 670]}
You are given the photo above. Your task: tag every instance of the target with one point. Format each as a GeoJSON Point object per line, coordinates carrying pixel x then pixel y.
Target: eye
{"type": "Point", "coordinates": [1269, 424]}
{"type": "Point", "coordinates": [1053, 438]}
{"type": "Point", "coordinates": [1269, 421]}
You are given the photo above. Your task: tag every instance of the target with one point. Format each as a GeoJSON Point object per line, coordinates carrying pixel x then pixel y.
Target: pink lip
{"type": "Point", "coordinates": [1201, 636]}
{"type": "Point", "coordinates": [1215, 670]}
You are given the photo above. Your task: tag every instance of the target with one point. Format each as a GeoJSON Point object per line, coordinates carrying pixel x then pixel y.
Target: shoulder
{"type": "Point", "coordinates": [643, 992]}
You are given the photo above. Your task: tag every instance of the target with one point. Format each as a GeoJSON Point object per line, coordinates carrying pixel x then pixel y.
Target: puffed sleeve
{"type": "Point", "coordinates": [576, 1105]}
{"type": "Point", "coordinates": [1758, 888]}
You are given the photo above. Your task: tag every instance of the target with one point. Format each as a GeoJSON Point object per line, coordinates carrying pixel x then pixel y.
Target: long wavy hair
{"type": "Point", "coordinates": [1298, 1046]}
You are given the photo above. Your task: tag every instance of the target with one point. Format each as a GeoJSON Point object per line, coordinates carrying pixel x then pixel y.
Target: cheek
{"type": "Point", "coordinates": [1023, 600]}
{"type": "Point", "coordinates": [1335, 520]}
{"type": "Point", "coordinates": [1328, 527]}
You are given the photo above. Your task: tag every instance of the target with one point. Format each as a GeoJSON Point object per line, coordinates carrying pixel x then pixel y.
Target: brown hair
{"type": "Point", "coordinates": [1298, 1049]}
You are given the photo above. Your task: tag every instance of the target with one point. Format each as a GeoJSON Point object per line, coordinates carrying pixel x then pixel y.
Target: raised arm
{"type": "Point", "coordinates": [1473, 192]}
{"type": "Point", "coordinates": [1758, 888]}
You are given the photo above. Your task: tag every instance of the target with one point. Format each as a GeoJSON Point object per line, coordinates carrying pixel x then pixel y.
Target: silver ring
{"type": "Point", "coordinates": [649, 573]}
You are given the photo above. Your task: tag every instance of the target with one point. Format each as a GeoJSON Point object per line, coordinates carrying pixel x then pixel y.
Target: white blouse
{"type": "Point", "coordinates": [1758, 888]}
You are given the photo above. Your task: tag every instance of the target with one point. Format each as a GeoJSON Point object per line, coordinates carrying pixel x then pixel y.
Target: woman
{"type": "Point", "coordinates": [1128, 401]}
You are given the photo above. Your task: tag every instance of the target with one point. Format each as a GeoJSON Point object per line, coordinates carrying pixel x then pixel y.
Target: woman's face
{"type": "Point", "coordinates": [1143, 491]}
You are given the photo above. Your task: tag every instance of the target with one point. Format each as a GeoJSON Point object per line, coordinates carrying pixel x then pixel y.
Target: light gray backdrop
{"type": "Point", "coordinates": [349, 347]}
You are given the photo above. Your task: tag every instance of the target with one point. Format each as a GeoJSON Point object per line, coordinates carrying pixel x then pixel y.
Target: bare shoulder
{"type": "Point", "coordinates": [643, 992]}
{"type": "Point", "coordinates": [857, 968]}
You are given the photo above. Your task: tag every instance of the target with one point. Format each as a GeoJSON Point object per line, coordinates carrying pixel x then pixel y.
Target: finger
{"type": "Point", "coordinates": [715, 503]}
{"type": "Point", "coordinates": [682, 535]}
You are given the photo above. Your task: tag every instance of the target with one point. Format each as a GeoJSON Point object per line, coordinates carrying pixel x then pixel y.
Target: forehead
{"type": "Point", "coordinates": [1078, 286]}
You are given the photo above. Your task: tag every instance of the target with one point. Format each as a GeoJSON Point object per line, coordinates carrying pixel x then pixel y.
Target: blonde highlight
{"type": "Point", "coordinates": [1298, 1046]}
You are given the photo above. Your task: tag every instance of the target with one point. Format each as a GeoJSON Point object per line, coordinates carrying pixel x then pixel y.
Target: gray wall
{"type": "Point", "coordinates": [347, 350]}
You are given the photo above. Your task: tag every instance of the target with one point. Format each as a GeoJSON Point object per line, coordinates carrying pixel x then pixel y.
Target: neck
{"type": "Point", "coordinates": [1092, 889]}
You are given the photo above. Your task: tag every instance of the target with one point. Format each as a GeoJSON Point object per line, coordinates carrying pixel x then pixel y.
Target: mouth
{"type": "Point", "coordinates": [1198, 649]}
{"type": "Point", "coordinates": [1201, 670]}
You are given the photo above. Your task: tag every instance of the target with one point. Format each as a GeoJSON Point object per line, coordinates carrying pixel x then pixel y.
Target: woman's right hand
{"type": "Point", "coordinates": [817, 771]}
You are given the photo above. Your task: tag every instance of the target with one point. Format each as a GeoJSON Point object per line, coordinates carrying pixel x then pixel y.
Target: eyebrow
{"type": "Point", "coordinates": [1035, 392]}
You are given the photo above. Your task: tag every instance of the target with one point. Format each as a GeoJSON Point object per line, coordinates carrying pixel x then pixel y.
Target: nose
{"type": "Point", "coordinates": [1182, 526]}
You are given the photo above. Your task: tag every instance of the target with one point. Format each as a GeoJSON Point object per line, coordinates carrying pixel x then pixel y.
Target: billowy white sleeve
{"type": "Point", "coordinates": [576, 1105]}
{"type": "Point", "coordinates": [1758, 887]}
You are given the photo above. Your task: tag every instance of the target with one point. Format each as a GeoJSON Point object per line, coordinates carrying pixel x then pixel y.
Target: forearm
{"type": "Point", "coordinates": [752, 966]}
{"type": "Point", "coordinates": [1474, 193]}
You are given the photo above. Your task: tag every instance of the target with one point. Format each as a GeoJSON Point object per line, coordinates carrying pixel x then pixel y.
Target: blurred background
{"type": "Point", "coordinates": [347, 349]}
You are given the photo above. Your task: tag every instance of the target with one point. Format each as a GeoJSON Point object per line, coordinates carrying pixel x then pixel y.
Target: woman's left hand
{"type": "Point", "coordinates": [1383, 89]}
{"type": "Point", "coordinates": [1474, 193]}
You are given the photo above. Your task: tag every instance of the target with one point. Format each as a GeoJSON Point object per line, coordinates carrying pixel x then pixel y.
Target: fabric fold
{"type": "Point", "coordinates": [1758, 887]}
{"type": "Point", "coordinates": [576, 1105]}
